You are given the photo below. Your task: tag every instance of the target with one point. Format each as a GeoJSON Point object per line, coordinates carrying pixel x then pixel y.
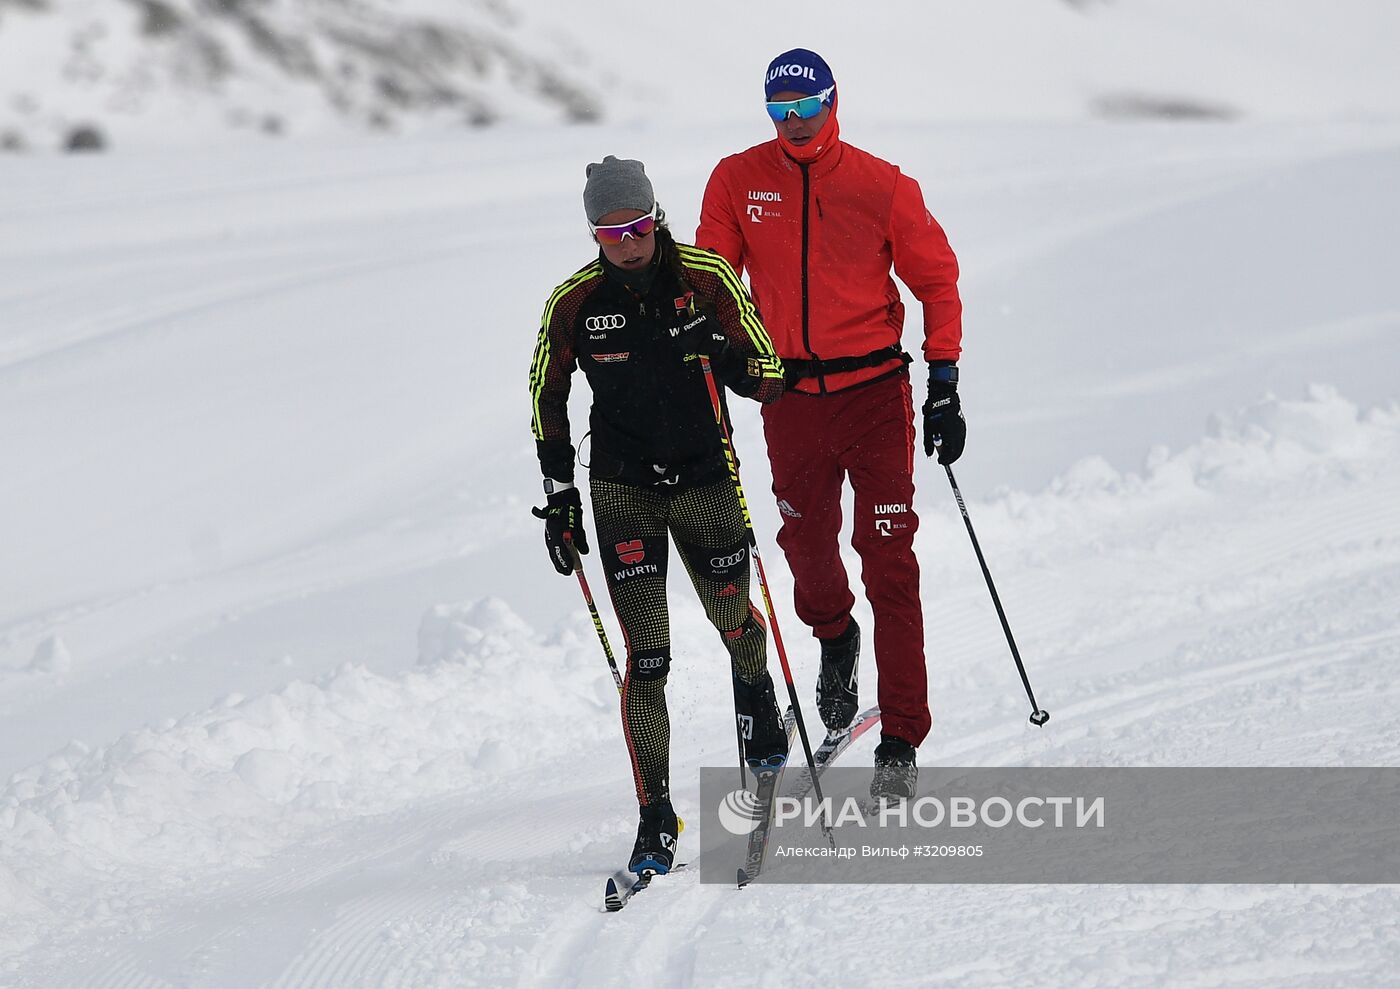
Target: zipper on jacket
{"type": "Point", "coordinates": [806, 242]}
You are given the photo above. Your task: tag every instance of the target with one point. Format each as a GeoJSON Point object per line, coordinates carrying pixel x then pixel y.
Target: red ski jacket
{"type": "Point", "coordinates": [818, 241]}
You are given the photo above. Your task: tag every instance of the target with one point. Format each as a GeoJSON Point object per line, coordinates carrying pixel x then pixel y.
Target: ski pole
{"type": "Point", "coordinates": [593, 610]}
{"type": "Point", "coordinates": [762, 577]}
{"type": "Point", "coordinates": [1038, 715]}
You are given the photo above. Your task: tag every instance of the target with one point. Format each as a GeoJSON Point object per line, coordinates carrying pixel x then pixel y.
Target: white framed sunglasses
{"type": "Point", "coordinates": [616, 233]}
{"type": "Point", "coordinates": [806, 108]}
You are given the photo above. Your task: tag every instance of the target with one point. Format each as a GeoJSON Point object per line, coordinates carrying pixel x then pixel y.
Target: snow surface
{"type": "Point", "coordinates": [289, 695]}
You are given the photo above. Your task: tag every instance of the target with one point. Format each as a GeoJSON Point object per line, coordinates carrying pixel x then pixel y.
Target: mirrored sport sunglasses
{"type": "Point", "coordinates": [806, 108]}
{"type": "Point", "coordinates": [614, 233]}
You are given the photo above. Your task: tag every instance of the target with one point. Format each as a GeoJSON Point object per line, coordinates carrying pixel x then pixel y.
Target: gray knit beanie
{"type": "Point", "coordinates": [616, 183]}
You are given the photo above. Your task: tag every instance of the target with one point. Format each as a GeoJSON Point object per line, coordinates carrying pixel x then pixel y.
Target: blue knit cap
{"type": "Point", "coordinates": [798, 71]}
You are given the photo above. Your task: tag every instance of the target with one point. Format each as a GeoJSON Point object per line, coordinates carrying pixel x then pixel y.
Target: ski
{"type": "Point", "coordinates": [831, 748]}
{"type": "Point", "coordinates": [765, 793]}
{"type": "Point", "coordinates": [624, 884]}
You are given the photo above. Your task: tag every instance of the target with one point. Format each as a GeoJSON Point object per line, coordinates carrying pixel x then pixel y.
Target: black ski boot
{"type": "Point", "coordinates": [896, 775]}
{"type": "Point", "coordinates": [655, 849]}
{"type": "Point", "coordinates": [836, 687]}
{"type": "Point", "coordinates": [760, 724]}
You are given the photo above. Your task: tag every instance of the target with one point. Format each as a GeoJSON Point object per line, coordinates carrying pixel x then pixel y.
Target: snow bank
{"type": "Point", "coordinates": [223, 789]}
{"type": "Point", "coordinates": [1260, 559]}
{"type": "Point", "coordinates": [1269, 449]}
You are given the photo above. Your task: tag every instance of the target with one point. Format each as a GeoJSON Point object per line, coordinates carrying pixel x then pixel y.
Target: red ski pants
{"type": "Point", "coordinates": [867, 434]}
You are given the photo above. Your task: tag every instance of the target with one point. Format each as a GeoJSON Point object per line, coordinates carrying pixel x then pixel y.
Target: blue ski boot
{"type": "Point", "coordinates": [657, 832]}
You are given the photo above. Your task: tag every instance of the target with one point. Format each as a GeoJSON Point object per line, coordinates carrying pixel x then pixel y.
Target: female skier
{"type": "Point", "coordinates": [637, 319]}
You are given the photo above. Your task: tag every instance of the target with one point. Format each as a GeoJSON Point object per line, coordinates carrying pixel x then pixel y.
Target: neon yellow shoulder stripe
{"type": "Point", "coordinates": [543, 349]}
{"type": "Point", "coordinates": [577, 278]}
{"type": "Point", "coordinates": [703, 260]}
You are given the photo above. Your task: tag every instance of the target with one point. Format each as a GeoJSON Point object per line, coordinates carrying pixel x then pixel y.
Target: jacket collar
{"type": "Point", "coordinates": [823, 164]}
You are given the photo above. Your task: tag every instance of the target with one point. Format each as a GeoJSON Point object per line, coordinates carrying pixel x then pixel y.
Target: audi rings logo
{"type": "Point", "coordinates": [740, 812]}
{"type": "Point", "coordinates": [724, 562]}
{"type": "Point", "coordinates": [650, 662]}
{"type": "Point", "coordinates": [615, 322]}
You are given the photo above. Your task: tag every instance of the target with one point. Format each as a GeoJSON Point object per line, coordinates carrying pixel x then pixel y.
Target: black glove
{"type": "Point", "coordinates": [945, 430]}
{"type": "Point", "coordinates": [563, 516]}
{"type": "Point", "coordinates": [698, 333]}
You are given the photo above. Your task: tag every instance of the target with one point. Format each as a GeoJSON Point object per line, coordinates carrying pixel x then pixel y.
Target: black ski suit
{"type": "Point", "coordinates": [657, 463]}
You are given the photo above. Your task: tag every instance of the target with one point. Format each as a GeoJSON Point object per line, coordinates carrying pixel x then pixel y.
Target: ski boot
{"type": "Point", "coordinates": [657, 832]}
{"type": "Point", "coordinates": [760, 724]}
{"type": "Point", "coordinates": [836, 686]}
{"type": "Point", "coordinates": [896, 775]}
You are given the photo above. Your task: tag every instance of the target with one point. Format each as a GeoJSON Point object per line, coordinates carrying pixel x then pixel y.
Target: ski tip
{"type": "Point", "coordinates": [743, 878]}
{"type": "Point", "coordinates": [612, 898]}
